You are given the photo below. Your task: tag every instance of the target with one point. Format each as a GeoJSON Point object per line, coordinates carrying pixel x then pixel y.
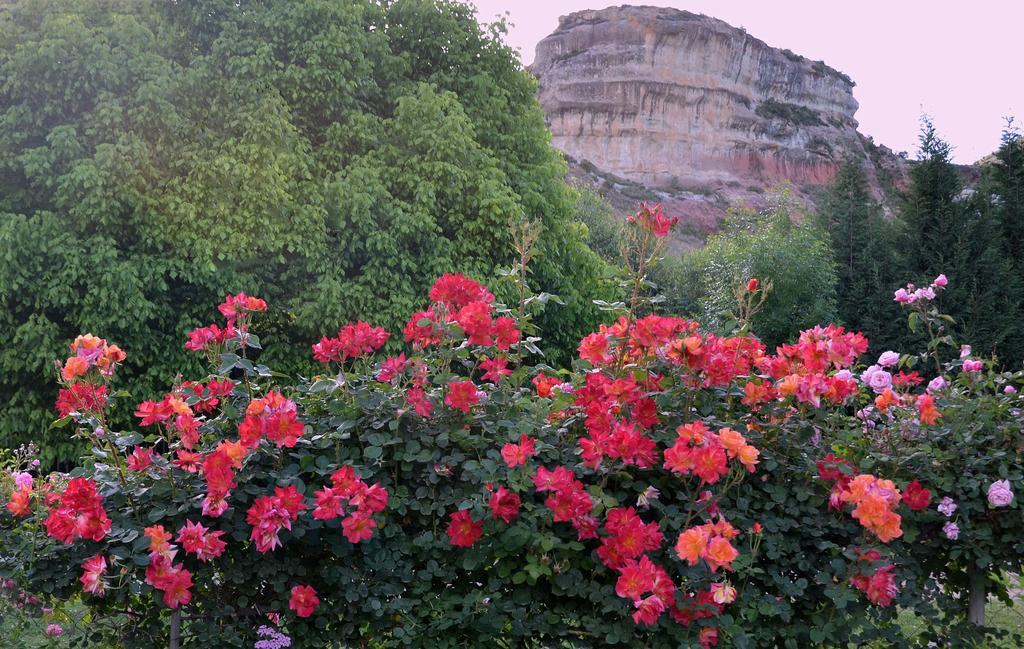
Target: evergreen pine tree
{"type": "Point", "coordinates": [1007, 183]}
{"type": "Point", "coordinates": [959, 233]}
{"type": "Point", "coordinates": [931, 209]}
{"type": "Point", "coordinates": [867, 260]}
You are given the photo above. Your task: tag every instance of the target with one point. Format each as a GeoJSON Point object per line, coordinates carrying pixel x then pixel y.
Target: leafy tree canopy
{"type": "Point", "coordinates": [335, 157]}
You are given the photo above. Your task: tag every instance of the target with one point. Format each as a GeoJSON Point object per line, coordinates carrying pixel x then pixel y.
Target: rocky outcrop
{"type": "Point", "coordinates": [691, 108]}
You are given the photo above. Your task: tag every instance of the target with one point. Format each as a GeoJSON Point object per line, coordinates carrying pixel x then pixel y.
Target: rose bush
{"type": "Point", "coordinates": [676, 487]}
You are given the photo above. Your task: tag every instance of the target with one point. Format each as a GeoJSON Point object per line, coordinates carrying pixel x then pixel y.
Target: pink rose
{"type": "Point", "coordinates": [927, 293]}
{"type": "Point", "coordinates": [876, 378]}
{"type": "Point", "coordinates": [1000, 494]}
{"type": "Point", "coordinates": [936, 384]}
{"type": "Point", "coordinates": [888, 359]}
{"type": "Point", "coordinates": [903, 297]}
{"type": "Point", "coordinates": [940, 281]}
{"type": "Point", "coordinates": [972, 365]}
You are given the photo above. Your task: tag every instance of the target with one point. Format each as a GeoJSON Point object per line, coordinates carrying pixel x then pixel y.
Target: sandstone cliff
{"type": "Point", "coordinates": [696, 112]}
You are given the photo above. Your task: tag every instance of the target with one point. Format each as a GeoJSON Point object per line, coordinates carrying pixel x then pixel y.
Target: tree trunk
{"type": "Point", "coordinates": [977, 595]}
{"type": "Point", "coordinates": [176, 628]}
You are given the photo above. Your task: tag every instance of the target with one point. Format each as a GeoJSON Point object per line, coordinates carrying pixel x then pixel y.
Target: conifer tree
{"type": "Point", "coordinates": [867, 261]}
{"type": "Point", "coordinates": [931, 209]}
{"type": "Point", "coordinates": [1007, 184]}
{"type": "Point", "coordinates": [957, 232]}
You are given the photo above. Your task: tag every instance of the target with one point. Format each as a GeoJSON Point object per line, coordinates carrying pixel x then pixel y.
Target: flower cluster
{"type": "Point", "coordinates": [78, 513]}
{"type": "Point", "coordinates": [646, 584]}
{"type": "Point", "coordinates": [84, 398]}
{"type": "Point", "coordinates": [238, 307]}
{"type": "Point", "coordinates": [814, 369]}
{"type": "Point", "coordinates": [90, 352]}
{"type": "Point", "coordinates": [271, 639]}
{"type": "Point", "coordinates": [911, 294]}
{"type": "Point", "coordinates": [875, 501]}
{"type": "Point", "coordinates": [162, 573]}
{"type": "Point", "coordinates": [237, 310]}
{"type": "Point", "coordinates": [268, 515]}
{"type": "Point", "coordinates": [568, 501]}
{"type": "Point", "coordinates": [458, 301]}
{"type": "Point", "coordinates": [365, 501]}
{"type": "Point", "coordinates": [652, 219]}
{"type": "Point", "coordinates": [197, 539]}
{"type": "Point", "coordinates": [82, 375]}
{"type": "Point", "coordinates": [879, 585]}
{"type": "Point", "coordinates": [704, 454]}
{"type": "Point", "coordinates": [20, 503]}
{"type": "Point", "coordinates": [273, 417]}
{"type": "Point", "coordinates": [210, 338]}
{"type": "Point", "coordinates": [710, 542]}
{"type": "Point", "coordinates": [354, 340]}
{"type": "Point", "coordinates": [218, 468]}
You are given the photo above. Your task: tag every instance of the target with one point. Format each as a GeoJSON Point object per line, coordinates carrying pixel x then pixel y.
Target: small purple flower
{"type": "Point", "coordinates": [22, 480]}
{"type": "Point", "coordinates": [888, 359]}
{"type": "Point", "coordinates": [1009, 390]}
{"type": "Point", "coordinates": [54, 631]}
{"type": "Point", "coordinates": [1000, 494]}
{"type": "Point", "coordinates": [947, 507]}
{"type": "Point", "coordinates": [844, 375]}
{"type": "Point", "coordinates": [936, 384]}
{"type": "Point", "coordinates": [951, 530]}
{"type": "Point", "coordinates": [272, 639]}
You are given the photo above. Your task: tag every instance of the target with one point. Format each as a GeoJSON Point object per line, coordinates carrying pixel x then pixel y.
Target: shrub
{"type": "Point", "coordinates": [676, 488]}
{"type": "Point", "coordinates": [777, 245]}
{"type": "Point", "coordinates": [794, 113]}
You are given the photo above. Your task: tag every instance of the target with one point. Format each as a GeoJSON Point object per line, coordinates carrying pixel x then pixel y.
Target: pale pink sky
{"type": "Point", "coordinates": [959, 62]}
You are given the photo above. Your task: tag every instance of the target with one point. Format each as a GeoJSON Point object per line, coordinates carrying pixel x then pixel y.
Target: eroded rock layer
{"type": "Point", "coordinates": [687, 104]}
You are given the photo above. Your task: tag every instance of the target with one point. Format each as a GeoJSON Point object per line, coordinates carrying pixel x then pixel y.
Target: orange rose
{"type": "Point", "coordinates": [691, 545]}
{"type": "Point", "coordinates": [74, 367]}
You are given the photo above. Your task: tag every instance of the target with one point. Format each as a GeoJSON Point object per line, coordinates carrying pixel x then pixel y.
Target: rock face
{"type": "Point", "coordinates": [697, 110]}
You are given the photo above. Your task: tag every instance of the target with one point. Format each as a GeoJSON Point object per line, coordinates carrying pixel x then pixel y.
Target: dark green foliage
{"type": "Point", "coordinates": [1007, 182]}
{"type": "Point", "coordinates": [868, 264]}
{"type": "Point", "coordinates": [332, 157]}
{"type": "Point", "coordinates": [932, 207]}
{"type": "Point", "coordinates": [957, 232]}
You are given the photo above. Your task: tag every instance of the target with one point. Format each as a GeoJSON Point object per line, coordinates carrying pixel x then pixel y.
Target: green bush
{"type": "Point", "coordinates": [794, 257]}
